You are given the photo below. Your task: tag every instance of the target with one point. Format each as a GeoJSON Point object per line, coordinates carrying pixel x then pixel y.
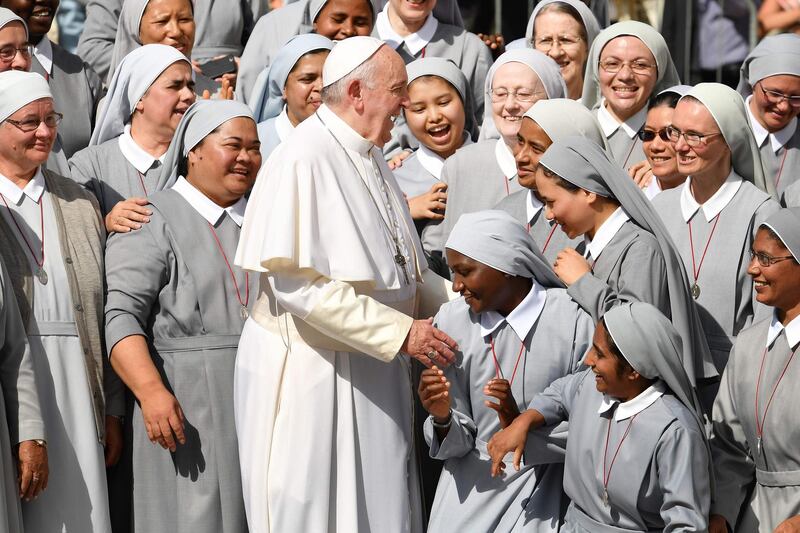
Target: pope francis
{"type": "Point", "coordinates": [323, 395]}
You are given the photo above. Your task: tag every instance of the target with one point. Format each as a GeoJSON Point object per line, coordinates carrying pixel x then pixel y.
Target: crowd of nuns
{"type": "Point", "coordinates": [625, 244]}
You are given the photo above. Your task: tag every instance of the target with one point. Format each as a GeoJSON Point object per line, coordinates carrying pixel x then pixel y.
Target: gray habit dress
{"type": "Point", "coordinates": [474, 182]}
{"type": "Point", "coordinates": [757, 491]}
{"type": "Point", "coordinates": [467, 497]}
{"type": "Point", "coordinates": [659, 479]}
{"type": "Point", "coordinates": [105, 172]}
{"type": "Point", "coordinates": [548, 235]}
{"type": "Point", "coordinates": [630, 268]}
{"type": "Point", "coordinates": [169, 282]}
{"type": "Point", "coordinates": [726, 303]}
{"type": "Point", "coordinates": [222, 27]}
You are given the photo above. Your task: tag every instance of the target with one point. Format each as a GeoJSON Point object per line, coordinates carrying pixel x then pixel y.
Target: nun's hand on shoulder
{"type": "Point", "coordinates": [128, 215]}
{"type": "Point", "coordinates": [642, 174]}
{"type": "Point", "coordinates": [570, 266]}
{"type": "Point", "coordinates": [495, 42]}
{"type": "Point", "coordinates": [429, 205]}
{"type": "Point", "coordinates": [790, 525]}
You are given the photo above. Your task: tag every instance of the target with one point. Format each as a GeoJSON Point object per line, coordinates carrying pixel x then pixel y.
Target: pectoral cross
{"type": "Point", "coordinates": [400, 259]}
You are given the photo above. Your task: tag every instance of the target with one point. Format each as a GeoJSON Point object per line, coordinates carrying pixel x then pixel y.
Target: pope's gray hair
{"type": "Point", "coordinates": [366, 73]}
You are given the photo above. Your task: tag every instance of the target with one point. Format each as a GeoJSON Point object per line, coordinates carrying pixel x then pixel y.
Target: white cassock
{"type": "Point", "coordinates": [323, 401]}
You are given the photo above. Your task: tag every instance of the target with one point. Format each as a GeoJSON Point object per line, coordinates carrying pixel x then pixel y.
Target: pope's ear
{"type": "Point", "coordinates": [355, 90]}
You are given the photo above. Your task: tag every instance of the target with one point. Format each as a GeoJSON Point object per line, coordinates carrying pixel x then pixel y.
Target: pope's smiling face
{"type": "Point", "coordinates": [383, 97]}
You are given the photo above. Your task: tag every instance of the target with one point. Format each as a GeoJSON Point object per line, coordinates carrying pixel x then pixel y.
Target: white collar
{"type": "Point", "coordinates": [430, 161]}
{"type": "Point", "coordinates": [505, 158]}
{"type": "Point", "coordinates": [533, 206]}
{"type": "Point", "coordinates": [609, 124]}
{"type": "Point", "coordinates": [135, 154]}
{"type": "Point", "coordinates": [522, 318]}
{"type": "Point", "coordinates": [792, 331]}
{"type": "Point", "coordinates": [636, 405]}
{"type": "Point", "coordinates": [714, 205]}
{"type": "Point", "coordinates": [205, 207]}
{"type": "Point", "coordinates": [652, 189]}
{"type": "Point", "coordinates": [283, 126]}
{"type": "Point", "coordinates": [345, 134]}
{"type": "Point", "coordinates": [778, 139]}
{"type": "Point", "coordinates": [415, 42]}
{"type": "Point", "coordinates": [605, 233]}
{"type": "Point", "coordinates": [33, 190]}
{"type": "Point", "coordinates": [43, 51]}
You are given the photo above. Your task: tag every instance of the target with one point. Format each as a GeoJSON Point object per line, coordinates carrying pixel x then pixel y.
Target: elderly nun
{"type": "Point", "coordinates": [636, 455]}
{"type": "Point", "coordinates": [545, 122]}
{"type": "Point", "coordinates": [149, 93]}
{"type": "Point", "coordinates": [174, 312]}
{"type": "Point", "coordinates": [629, 254]}
{"type": "Point", "coordinates": [565, 31]}
{"type": "Point", "coordinates": [289, 90]}
{"type": "Point", "coordinates": [770, 83]}
{"type": "Point", "coordinates": [754, 441]}
{"type": "Point", "coordinates": [14, 34]}
{"type": "Point", "coordinates": [480, 175]}
{"type": "Point", "coordinates": [51, 240]}
{"type": "Point", "coordinates": [713, 217]}
{"type": "Point", "coordinates": [169, 22]}
{"type": "Point", "coordinates": [517, 331]}
{"type": "Point", "coordinates": [628, 63]}
{"type": "Point", "coordinates": [334, 19]}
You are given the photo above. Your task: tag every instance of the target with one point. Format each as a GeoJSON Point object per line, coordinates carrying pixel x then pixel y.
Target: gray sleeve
{"type": "Point", "coordinates": [682, 467]}
{"type": "Point", "coordinates": [17, 375]}
{"type": "Point", "coordinates": [136, 270]}
{"type": "Point", "coordinates": [99, 32]}
{"type": "Point", "coordinates": [734, 469]}
{"type": "Point", "coordinates": [642, 278]}
{"type": "Point", "coordinates": [479, 59]}
{"type": "Point", "coordinates": [555, 402]}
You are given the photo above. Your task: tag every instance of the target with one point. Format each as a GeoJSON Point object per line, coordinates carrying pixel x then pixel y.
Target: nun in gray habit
{"type": "Point", "coordinates": [544, 338]}
{"type": "Point", "coordinates": [780, 150]}
{"type": "Point", "coordinates": [632, 256]}
{"type": "Point", "coordinates": [723, 227]}
{"type": "Point", "coordinates": [558, 118]}
{"type": "Point", "coordinates": [638, 465]}
{"type": "Point", "coordinates": [271, 33]}
{"type": "Point", "coordinates": [756, 420]}
{"type": "Point", "coordinates": [622, 136]}
{"type": "Point", "coordinates": [176, 304]}
{"type": "Point", "coordinates": [222, 27]}
{"type": "Point", "coordinates": [114, 167]}
{"type": "Point", "coordinates": [268, 103]}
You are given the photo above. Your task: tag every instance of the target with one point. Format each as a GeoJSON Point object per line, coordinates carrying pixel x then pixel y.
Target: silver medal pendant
{"type": "Point", "coordinates": [41, 275]}
{"type": "Point", "coordinates": [244, 313]}
{"type": "Point", "coordinates": [758, 445]}
{"type": "Point", "coordinates": [605, 497]}
{"type": "Point", "coordinates": [695, 291]}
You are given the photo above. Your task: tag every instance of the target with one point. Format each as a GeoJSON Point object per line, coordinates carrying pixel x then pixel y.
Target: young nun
{"type": "Point", "coordinates": [629, 254]}
{"type": "Point", "coordinates": [169, 22]}
{"type": "Point", "coordinates": [51, 240]}
{"type": "Point", "coordinates": [628, 63]}
{"type": "Point", "coordinates": [770, 83]}
{"type": "Point", "coordinates": [288, 91]}
{"type": "Point", "coordinates": [637, 458]}
{"type": "Point", "coordinates": [565, 31]}
{"type": "Point", "coordinates": [480, 175]}
{"type": "Point", "coordinates": [334, 19]}
{"type": "Point", "coordinates": [175, 309]}
{"type": "Point", "coordinates": [517, 331]}
{"type": "Point", "coordinates": [756, 423]}
{"type": "Point", "coordinates": [149, 93]}
{"type": "Point", "coordinates": [545, 122]}
{"type": "Point", "coordinates": [659, 171]}
{"type": "Point", "coordinates": [713, 217]}
{"type": "Point", "coordinates": [440, 117]}
{"type": "Point", "coordinates": [414, 32]}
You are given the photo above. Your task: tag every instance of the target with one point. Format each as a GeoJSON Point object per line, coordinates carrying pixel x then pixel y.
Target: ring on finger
{"type": "Point", "coordinates": [432, 354]}
{"type": "Point", "coordinates": [36, 477]}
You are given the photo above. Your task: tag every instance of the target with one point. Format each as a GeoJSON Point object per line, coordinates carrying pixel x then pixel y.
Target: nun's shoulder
{"type": "Point", "coordinates": [683, 424]}
{"type": "Point", "coordinates": [69, 190]}
{"type": "Point", "coordinates": [455, 315]}
{"type": "Point", "coordinates": [460, 38]}
{"type": "Point", "coordinates": [791, 196]}
{"type": "Point", "coordinates": [470, 155]}
{"type": "Point", "coordinates": [409, 168]}
{"type": "Point", "coordinates": [667, 199]}
{"type": "Point", "coordinates": [97, 154]}
{"type": "Point", "coordinates": [511, 202]}
{"type": "Point", "coordinates": [754, 334]}
{"type": "Point", "coordinates": [561, 304]}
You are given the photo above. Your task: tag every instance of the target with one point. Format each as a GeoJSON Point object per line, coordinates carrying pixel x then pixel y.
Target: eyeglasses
{"type": "Point", "coordinates": [766, 260]}
{"type": "Point", "coordinates": [648, 135]}
{"type": "Point", "coordinates": [51, 121]}
{"type": "Point", "coordinates": [615, 65]}
{"type": "Point", "coordinates": [692, 139]}
{"type": "Point", "coordinates": [775, 98]}
{"type": "Point", "coordinates": [500, 94]}
{"type": "Point", "coordinates": [9, 52]}
{"type": "Point", "coordinates": [545, 44]}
